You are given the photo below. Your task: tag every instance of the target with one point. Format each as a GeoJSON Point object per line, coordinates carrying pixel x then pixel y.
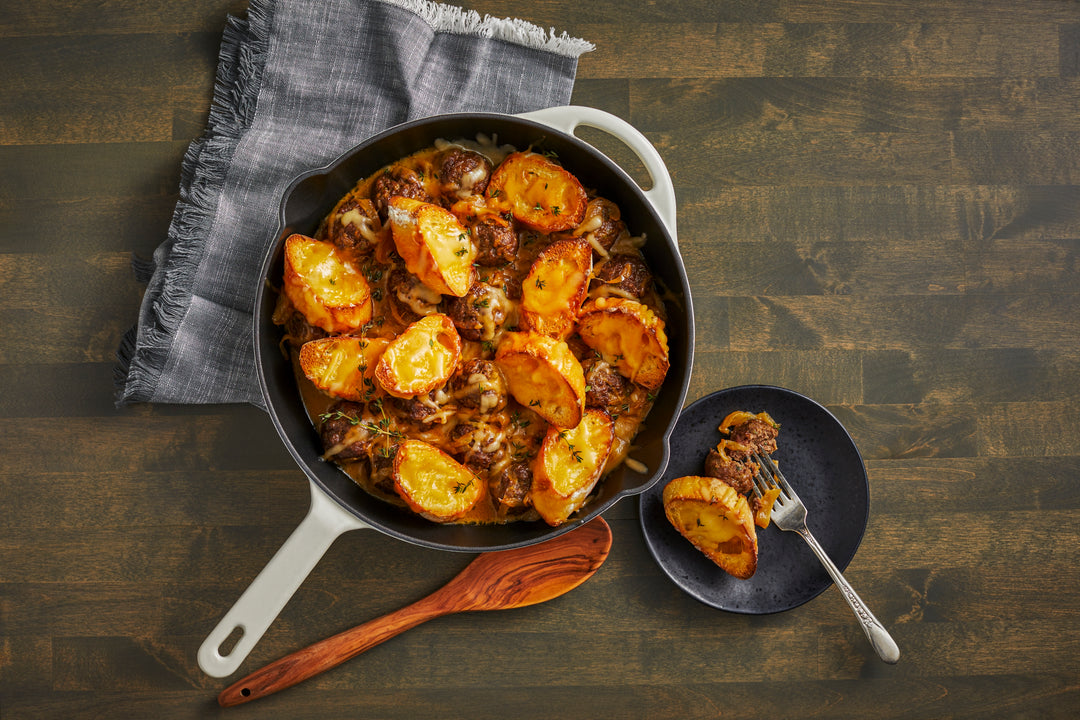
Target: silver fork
{"type": "Point", "coordinates": [789, 513]}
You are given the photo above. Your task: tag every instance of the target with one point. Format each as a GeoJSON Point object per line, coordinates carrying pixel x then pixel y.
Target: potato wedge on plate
{"type": "Point", "coordinates": [421, 358]}
{"type": "Point", "coordinates": [343, 366]}
{"type": "Point", "coordinates": [434, 245]}
{"type": "Point", "coordinates": [322, 283]}
{"type": "Point", "coordinates": [543, 375]}
{"type": "Point", "coordinates": [716, 520]}
{"type": "Point", "coordinates": [434, 484]}
{"type": "Point", "coordinates": [555, 288]}
{"type": "Point", "coordinates": [539, 192]}
{"type": "Point", "coordinates": [569, 464]}
{"type": "Point", "coordinates": [629, 335]}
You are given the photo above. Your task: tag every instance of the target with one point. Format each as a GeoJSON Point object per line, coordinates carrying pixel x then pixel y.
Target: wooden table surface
{"type": "Point", "coordinates": [879, 208]}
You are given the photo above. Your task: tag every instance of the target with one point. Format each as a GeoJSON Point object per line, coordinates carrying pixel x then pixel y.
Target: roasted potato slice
{"type": "Point", "coordinates": [555, 288]}
{"type": "Point", "coordinates": [343, 366]}
{"type": "Point", "coordinates": [543, 375]}
{"type": "Point", "coordinates": [421, 358]}
{"type": "Point", "coordinates": [435, 247]}
{"type": "Point", "coordinates": [569, 464]}
{"type": "Point", "coordinates": [629, 335]}
{"type": "Point", "coordinates": [322, 283]}
{"type": "Point", "coordinates": [716, 520]}
{"type": "Point", "coordinates": [539, 192]}
{"type": "Point", "coordinates": [434, 484]}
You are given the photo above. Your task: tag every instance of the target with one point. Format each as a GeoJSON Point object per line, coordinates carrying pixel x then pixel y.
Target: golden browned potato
{"type": "Point", "coordinates": [629, 335]}
{"type": "Point", "coordinates": [540, 193]}
{"type": "Point", "coordinates": [543, 375]}
{"type": "Point", "coordinates": [555, 288]}
{"type": "Point", "coordinates": [434, 245]}
{"type": "Point", "coordinates": [569, 464]}
{"type": "Point", "coordinates": [421, 358]}
{"type": "Point", "coordinates": [716, 520]}
{"type": "Point", "coordinates": [434, 484]}
{"type": "Point", "coordinates": [322, 283]}
{"type": "Point", "coordinates": [342, 365]}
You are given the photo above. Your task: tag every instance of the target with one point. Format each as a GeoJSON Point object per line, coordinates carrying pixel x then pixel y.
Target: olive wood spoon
{"type": "Point", "coordinates": [493, 581]}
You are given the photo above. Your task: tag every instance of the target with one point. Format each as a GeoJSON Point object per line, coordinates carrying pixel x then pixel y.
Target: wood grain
{"type": "Point", "coordinates": [879, 206]}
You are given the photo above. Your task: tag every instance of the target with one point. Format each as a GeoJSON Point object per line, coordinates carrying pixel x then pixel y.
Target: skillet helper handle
{"type": "Point", "coordinates": [272, 588]}
{"type": "Point", "coordinates": [329, 653]}
{"type": "Point", "coordinates": [567, 118]}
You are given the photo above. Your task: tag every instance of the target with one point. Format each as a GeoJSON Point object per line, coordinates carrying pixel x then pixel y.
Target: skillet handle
{"type": "Point", "coordinates": [568, 117]}
{"type": "Point", "coordinates": [272, 588]}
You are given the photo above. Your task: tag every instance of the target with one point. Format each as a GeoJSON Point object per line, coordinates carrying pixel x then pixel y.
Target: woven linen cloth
{"type": "Point", "coordinates": [298, 83]}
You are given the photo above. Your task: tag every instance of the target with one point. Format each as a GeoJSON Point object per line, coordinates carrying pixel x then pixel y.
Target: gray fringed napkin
{"type": "Point", "coordinates": [299, 82]}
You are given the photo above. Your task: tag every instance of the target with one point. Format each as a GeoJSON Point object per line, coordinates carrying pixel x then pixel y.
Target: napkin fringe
{"type": "Point", "coordinates": [141, 359]}
{"type": "Point", "coordinates": [448, 18]}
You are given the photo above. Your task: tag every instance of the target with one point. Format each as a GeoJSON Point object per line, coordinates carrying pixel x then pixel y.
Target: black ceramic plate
{"type": "Point", "coordinates": [821, 462]}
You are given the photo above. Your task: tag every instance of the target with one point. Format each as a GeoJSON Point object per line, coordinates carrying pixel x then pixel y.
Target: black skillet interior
{"type": "Point", "coordinates": [314, 194]}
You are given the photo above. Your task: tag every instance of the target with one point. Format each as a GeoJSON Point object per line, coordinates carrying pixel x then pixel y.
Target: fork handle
{"type": "Point", "coordinates": [876, 633]}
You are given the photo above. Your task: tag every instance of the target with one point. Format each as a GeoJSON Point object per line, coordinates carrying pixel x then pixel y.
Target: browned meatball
{"type": "Point", "coordinates": [479, 313]}
{"type": "Point", "coordinates": [603, 223]}
{"type": "Point", "coordinates": [739, 475]}
{"type": "Point", "coordinates": [397, 181]}
{"type": "Point", "coordinates": [409, 298]}
{"type": "Point", "coordinates": [510, 489]}
{"type": "Point", "coordinates": [604, 386]}
{"type": "Point", "coordinates": [382, 467]}
{"type": "Point", "coordinates": [496, 241]}
{"type": "Point", "coordinates": [338, 431]}
{"type": "Point", "coordinates": [755, 434]}
{"type": "Point", "coordinates": [506, 280]}
{"type": "Point", "coordinates": [300, 331]}
{"type": "Point", "coordinates": [354, 224]}
{"type": "Point", "coordinates": [475, 444]}
{"type": "Point", "coordinates": [480, 385]}
{"type": "Point", "coordinates": [463, 173]}
{"type": "Point", "coordinates": [423, 408]}
{"type": "Point", "coordinates": [628, 273]}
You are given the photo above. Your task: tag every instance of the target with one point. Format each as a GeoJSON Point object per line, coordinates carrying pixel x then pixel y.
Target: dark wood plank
{"type": "Point", "coordinates": [843, 49]}
{"type": "Point", "coordinates": [856, 104]}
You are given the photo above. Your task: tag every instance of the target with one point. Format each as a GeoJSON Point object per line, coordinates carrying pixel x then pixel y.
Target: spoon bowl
{"type": "Point", "coordinates": [493, 581]}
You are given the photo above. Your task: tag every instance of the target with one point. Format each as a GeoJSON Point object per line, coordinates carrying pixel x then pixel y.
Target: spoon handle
{"type": "Point", "coordinates": [331, 652]}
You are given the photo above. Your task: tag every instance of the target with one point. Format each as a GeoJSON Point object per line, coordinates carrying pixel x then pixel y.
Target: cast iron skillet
{"type": "Point", "coordinates": [338, 504]}
{"type": "Point", "coordinates": [314, 195]}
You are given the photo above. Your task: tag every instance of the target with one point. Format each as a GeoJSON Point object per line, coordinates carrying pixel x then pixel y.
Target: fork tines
{"type": "Point", "coordinates": [769, 474]}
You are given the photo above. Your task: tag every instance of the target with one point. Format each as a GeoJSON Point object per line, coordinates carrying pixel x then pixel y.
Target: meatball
{"type": "Point", "coordinates": [463, 173]}
{"type": "Point", "coordinates": [506, 280]}
{"type": "Point", "coordinates": [480, 385]}
{"type": "Point", "coordinates": [604, 386]}
{"type": "Point", "coordinates": [339, 434]}
{"type": "Point", "coordinates": [755, 434]}
{"type": "Point", "coordinates": [479, 312]}
{"type": "Point", "coordinates": [382, 468]}
{"type": "Point", "coordinates": [602, 223]}
{"type": "Point", "coordinates": [510, 490]}
{"type": "Point", "coordinates": [424, 408]}
{"type": "Point", "coordinates": [397, 181]}
{"type": "Point", "coordinates": [496, 241]}
{"type": "Point", "coordinates": [300, 331]}
{"type": "Point", "coordinates": [739, 475]}
{"type": "Point", "coordinates": [409, 298]}
{"type": "Point", "coordinates": [628, 273]}
{"type": "Point", "coordinates": [354, 225]}
{"type": "Point", "coordinates": [475, 444]}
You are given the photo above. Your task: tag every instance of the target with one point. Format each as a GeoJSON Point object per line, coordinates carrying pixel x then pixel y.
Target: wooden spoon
{"type": "Point", "coordinates": [493, 581]}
